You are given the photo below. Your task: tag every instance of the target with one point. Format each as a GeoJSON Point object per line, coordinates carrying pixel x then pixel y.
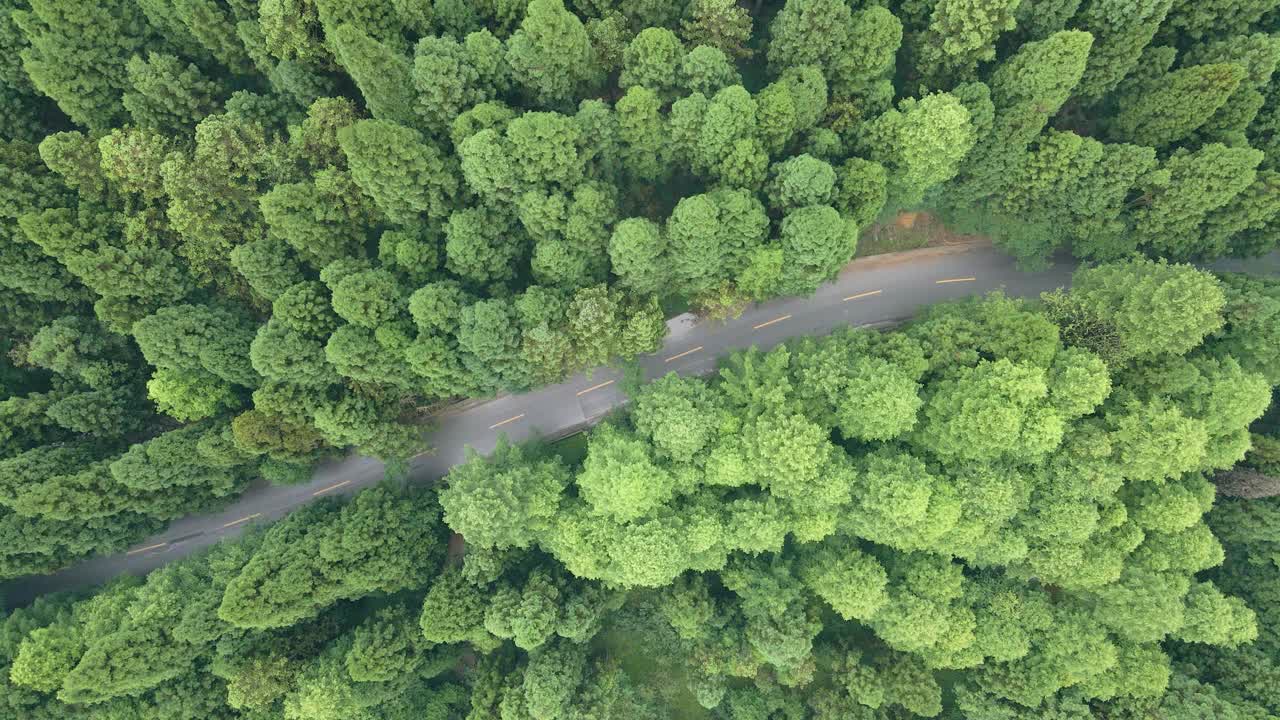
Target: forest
{"type": "Point", "coordinates": [241, 237]}
{"type": "Point", "coordinates": [238, 237]}
{"type": "Point", "coordinates": [1004, 510]}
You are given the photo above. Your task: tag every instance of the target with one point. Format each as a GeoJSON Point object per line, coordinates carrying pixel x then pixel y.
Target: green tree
{"type": "Point", "coordinates": [1179, 200]}
{"type": "Point", "coordinates": [1121, 31]}
{"type": "Point", "coordinates": [961, 419]}
{"type": "Point", "coordinates": [268, 265]}
{"type": "Point", "coordinates": [620, 480]}
{"type": "Point", "coordinates": [489, 338]}
{"type": "Point", "coordinates": [960, 34]}
{"type": "Point", "coordinates": [550, 55]}
{"type": "Point", "coordinates": [77, 56]}
{"type": "Point", "coordinates": [1026, 89]}
{"type": "Point", "coordinates": [878, 401]}
{"type": "Point", "coordinates": [851, 581]}
{"type": "Point", "coordinates": [405, 175]}
{"type": "Point", "coordinates": [710, 236]}
{"type": "Point", "coordinates": [369, 298]}
{"type": "Point", "coordinates": [809, 32]}
{"type": "Point", "coordinates": [382, 541]}
{"type": "Point", "coordinates": [383, 73]}
{"type": "Point", "coordinates": [324, 220]}
{"type": "Point", "coordinates": [1174, 105]}
{"type": "Point", "coordinates": [1138, 297]}
{"type": "Point", "coordinates": [646, 150]}
{"type": "Point", "coordinates": [920, 144]}
{"type": "Point", "coordinates": [816, 243]}
{"type": "Point", "coordinates": [504, 500]}
{"type": "Point", "coordinates": [451, 77]}
{"type": "Point", "coordinates": [707, 70]}
{"type": "Point", "coordinates": [635, 251]}
{"type": "Point", "coordinates": [167, 96]}
{"type": "Point", "coordinates": [453, 612]}
{"type": "Point", "coordinates": [721, 24]}
{"type": "Point", "coordinates": [480, 246]}
{"type": "Point", "coordinates": [678, 416]}
{"type": "Point", "coordinates": [213, 192]}
{"type": "Point", "coordinates": [199, 338]}
{"type": "Point", "coordinates": [800, 181]}
{"type": "Point", "coordinates": [652, 61]}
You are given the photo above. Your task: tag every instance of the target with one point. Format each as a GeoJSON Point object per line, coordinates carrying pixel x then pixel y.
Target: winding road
{"type": "Point", "coordinates": [874, 291]}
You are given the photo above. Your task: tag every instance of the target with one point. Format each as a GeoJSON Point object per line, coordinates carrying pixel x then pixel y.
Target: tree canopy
{"type": "Point", "coordinates": [974, 514]}
{"type": "Point", "coordinates": [237, 238]}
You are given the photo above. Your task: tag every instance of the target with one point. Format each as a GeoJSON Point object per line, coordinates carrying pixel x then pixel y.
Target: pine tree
{"type": "Point", "coordinates": [1175, 105]}
{"type": "Point", "coordinates": [1194, 184]}
{"type": "Point", "coordinates": [78, 54]}
{"type": "Point", "coordinates": [550, 55]}
{"type": "Point", "coordinates": [1026, 89]}
{"type": "Point", "coordinates": [1121, 30]}
{"type": "Point", "coordinates": [961, 34]}
{"type": "Point", "coordinates": [1198, 20]}
{"type": "Point", "coordinates": [167, 96]}
{"type": "Point", "coordinates": [383, 74]}
{"type": "Point", "coordinates": [204, 27]}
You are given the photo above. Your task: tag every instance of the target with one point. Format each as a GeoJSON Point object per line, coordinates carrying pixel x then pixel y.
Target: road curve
{"type": "Point", "coordinates": [876, 290]}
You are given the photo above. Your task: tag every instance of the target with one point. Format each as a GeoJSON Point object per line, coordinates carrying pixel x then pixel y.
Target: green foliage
{"type": "Point", "coordinates": [240, 236]}
{"type": "Point", "coordinates": [1025, 90]}
{"type": "Point", "coordinates": [550, 54]}
{"type": "Point", "coordinates": [1155, 307]}
{"type": "Point", "coordinates": [77, 56]}
{"type": "Point", "coordinates": [800, 181]}
{"type": "Point", "coordinates": [635, 251]}
{"type": "Point", "coordinates": [323, 220]}
{"type": "Point", "coordinates": [816, 242]}
{"type": "Point", "coordinates": [167, 96]}
{"type": "Point", "coordinates": [406, 176]}
{"type": "Point", "coordinates": [1121, 30]}
{"type": "Point", "coordinates": [382, 541]}
{"type": "Point", "coordinates": [652, 60]}
{"type": "Point", "coordinates": [502, 501]}
{"type": "Point", "coordinates": [1192, 185]}
{"type": "Point", "coordinates": [920, 144]}
{"type": "Point", "coordinates": [720, 24]}
{"type": "Point", "coordinates": [452, 77]}
{"type": "Point", "coordinates": [1175, 105]}
{"type": "Point", "coordinates": [960, 34]}
{"type": "Point", "coordinates": [382, 73]}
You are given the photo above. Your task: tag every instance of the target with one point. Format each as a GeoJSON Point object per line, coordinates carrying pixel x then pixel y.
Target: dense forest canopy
{"type": "Point", "coordinates": [1003, 511]}
{"type": "Point", "coordinates": [236, 237]}
{"type": "Point", "coordinates": [239, 237]}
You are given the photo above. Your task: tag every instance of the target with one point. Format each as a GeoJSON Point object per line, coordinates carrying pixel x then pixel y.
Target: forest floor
{"type": "Point", "coordinates": [911, 231]}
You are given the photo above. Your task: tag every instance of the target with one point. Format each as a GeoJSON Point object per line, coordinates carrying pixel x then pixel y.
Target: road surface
{"type": "Point", "coordinates": [873, 291]}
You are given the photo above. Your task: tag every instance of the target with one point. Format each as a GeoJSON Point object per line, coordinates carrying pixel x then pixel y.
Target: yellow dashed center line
{"type": "Point", "coordinates": [862, 295]}
{"type": "Point", "coordinates": [335, 486]}
{"type": "Point", "coordinates": [767, 324]}
{"type": "Point", "coordinates": [686, 352]}
{"type": "Point", "coordinates": [508, 420]}
{"type": "Point", "coordinates": [246, 518]}
{"type": "Point", "coordinates": [595, 387]}
{"type": "Point", "coordinates": [951, 280]}
{"type": "Point", "coordinates": [144, 549]}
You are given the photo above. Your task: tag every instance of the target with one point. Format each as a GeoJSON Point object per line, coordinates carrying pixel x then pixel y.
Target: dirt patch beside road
{"type": "Point", "coordinates": [911, 231]}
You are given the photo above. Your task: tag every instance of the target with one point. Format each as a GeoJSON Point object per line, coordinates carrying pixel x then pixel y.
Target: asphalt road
{"type": "Point", "coordinates": [874, 291]}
